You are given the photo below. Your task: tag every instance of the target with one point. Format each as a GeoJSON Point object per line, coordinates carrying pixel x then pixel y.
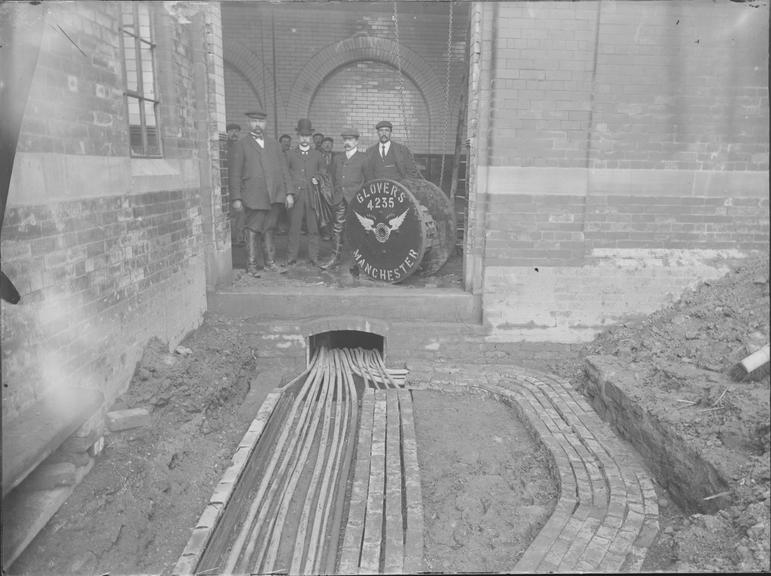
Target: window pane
{"type": "Point", "coordinates": [133, 111]}
{"type": "Point", "coordinates": [127, 15]}
{"type": "Point", "coordinates": [135, 135]}
{"type": "Point", "coordinates": [153, 142]}
{"type": "Point", "coordinates": [129, 58]}
{"type": "Point", "coordinates": [148, 83]}
{"type": "Point", "coordinates": [144, 22]}
{"type": "Point", "coordinates": [150, 113]}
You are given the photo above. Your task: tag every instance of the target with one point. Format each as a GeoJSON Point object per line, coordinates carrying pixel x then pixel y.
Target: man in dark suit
{"type": "Point", "coordinates": [349, 177]}
{"type": "Point", "coordinates": [388, 159]}
{"type": "Point", "coordinates": [259, 181]}
{"type": "Point", "coordinates": [306, 169]}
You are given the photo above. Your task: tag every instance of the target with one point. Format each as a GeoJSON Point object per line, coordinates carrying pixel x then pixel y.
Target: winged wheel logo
{"type": "Point", "coordinates": [381, 230]}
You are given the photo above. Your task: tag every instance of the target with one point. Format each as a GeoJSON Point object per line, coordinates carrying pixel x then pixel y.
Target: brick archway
{"type": "Point", "coordinates": [362, 47]}
{"type": "Point", "coordinates": [246, 62]}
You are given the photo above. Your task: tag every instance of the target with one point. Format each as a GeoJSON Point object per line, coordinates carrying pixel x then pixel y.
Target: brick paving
{"type": "Point", "coordinates": [606, 516]}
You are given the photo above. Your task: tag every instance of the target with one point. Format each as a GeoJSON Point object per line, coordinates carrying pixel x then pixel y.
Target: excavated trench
{"type": "Point", "coordinates": [329, 480]}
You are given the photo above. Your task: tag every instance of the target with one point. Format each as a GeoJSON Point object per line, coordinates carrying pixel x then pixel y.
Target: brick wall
{"type": "Point", "coordinates": [336, 63]}
{"type": "Point", "coordinates": [106, 250]}
{"type": "Point", "coordinates": [623, 154]}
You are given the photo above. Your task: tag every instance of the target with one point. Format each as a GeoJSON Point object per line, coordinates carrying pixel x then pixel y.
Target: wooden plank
{"type": "Point", "coordinates": [354, 530]}
{"type": "Point", "coordinates": [373, 523]}
{"type": "Point", "coordinates": [394, 536]}
{"type": "Point", "coordinates": [413, 550]}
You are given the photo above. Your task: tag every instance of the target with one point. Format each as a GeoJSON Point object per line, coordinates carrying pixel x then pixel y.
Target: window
{"type": "Point", "coordinates": [141, 93]}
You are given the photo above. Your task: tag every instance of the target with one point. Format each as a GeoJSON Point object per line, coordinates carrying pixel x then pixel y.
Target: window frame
{"type": "Point", "coordinates": [133, 33]}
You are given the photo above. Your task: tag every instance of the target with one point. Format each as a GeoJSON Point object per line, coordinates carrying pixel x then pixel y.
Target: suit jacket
{"type": "Point", "coordinates": [303, 168]}
{"type": "Point", "coordinates": [398, 161]}
{"type": "Point", "coordinates": [258, 176]}
{"type": "Point", "coordinates": [349, 175]}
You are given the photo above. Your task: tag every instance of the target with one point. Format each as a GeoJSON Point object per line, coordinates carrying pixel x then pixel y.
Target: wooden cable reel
{"type": "Point", "coordinates": [396, 229]}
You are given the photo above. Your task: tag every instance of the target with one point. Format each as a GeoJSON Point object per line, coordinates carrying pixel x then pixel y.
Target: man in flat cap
{"type": "Point", "coordinates": [259, 182]}
{"type": "Point", "coordinates": [389, 159]}
{"type": "Point", "coordinates": [349, 177]}
{"type": "Point", "coordinates": [306, 169]}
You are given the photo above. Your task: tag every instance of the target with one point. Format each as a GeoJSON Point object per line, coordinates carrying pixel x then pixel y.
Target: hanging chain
{"type": "Point", "coordinates": [446, 99]}
{"type": "Point", "coordinates": [401, 76]}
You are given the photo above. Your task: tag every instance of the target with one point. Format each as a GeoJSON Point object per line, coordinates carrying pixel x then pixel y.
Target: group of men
{"type": "Point", "coordinates": [265, 177]}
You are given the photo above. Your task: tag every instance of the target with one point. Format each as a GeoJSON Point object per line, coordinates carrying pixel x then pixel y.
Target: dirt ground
{"type": "Point", "coordinates": [682, 356]}
{"type": "Point", "coordinates": [486, 487]}
{"type": "Point", "coordinates": [134, 511]}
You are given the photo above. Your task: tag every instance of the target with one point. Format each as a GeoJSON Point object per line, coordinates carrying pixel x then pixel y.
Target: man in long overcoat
{"type": "Point", "coordinates": [259, 182]}
{"type": "Point", "coordinates": [389, 159]}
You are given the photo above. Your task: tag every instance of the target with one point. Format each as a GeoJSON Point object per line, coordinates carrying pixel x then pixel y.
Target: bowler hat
{"type": "Point", "coordinates": [256, 114]}
{"type": "Point", "coordinates": [349, 133]}
{"type": "Point", "coordinates": [384, 124]}
{"type": "Point", "coordinates": [304, 127]}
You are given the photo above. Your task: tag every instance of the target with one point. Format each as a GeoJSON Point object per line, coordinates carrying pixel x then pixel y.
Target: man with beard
{"type": "Point", "coordinates": [388, 159]}
{"type": "Point", "coordinates": [258, 181]}
{"type": "Point", "coordinates": [348, 176]}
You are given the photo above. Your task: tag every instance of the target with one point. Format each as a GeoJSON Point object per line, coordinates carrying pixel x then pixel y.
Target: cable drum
{"type": "Point", "coordinates": [399, 228]}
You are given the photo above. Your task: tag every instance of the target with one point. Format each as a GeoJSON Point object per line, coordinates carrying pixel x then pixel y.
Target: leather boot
{"type": "Point", "coordinates": [253, 249]}
{"type": "Point", "coordinates": [270, 251]}
{"type": "Point", "coordinates": [336, 254]}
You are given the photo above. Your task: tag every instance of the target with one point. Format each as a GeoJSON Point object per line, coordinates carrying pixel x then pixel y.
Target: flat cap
{"type": "Point", "coordinates": [349, 133]}
{"type": "Point", "coordinates": [233, 127]}
{"type": "Point", "coordinates": [256, 114]}
{"type": "Point", "coordinates": [384, 124]}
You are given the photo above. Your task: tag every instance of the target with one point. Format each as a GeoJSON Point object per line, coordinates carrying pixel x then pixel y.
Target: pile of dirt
{"type": "Point", "coordinates": [682, 356]}
{"type": "Point", "coordinates": [133, 513]}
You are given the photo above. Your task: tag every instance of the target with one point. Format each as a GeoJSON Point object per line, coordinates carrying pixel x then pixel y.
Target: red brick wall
{"type": "Point", "coordinates": [107, 251]}
{"type": "Point", "coordinates": [325, 50]}
{"type": "Point", "coordinates": [659, 85]}
{"type": "Point", "coordinates": [562, 230]}
{"type": "Point", "coordinates": [622, 157]}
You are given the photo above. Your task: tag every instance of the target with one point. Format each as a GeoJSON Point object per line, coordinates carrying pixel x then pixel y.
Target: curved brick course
{"type": "Point", "coordinates": [242, 59]}
{"type": "Point", "coordinates": [357, 48]}
{"type": "Point", "coordinates": [606, 517]}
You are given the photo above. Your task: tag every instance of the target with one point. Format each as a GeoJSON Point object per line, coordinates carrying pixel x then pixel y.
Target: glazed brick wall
{"type": "Point", "coordinates": [103, 264]}
{"type": "Point", "coordinates": [652, 85]}
{"type": "Point", "coordinates": [562, 230]}
{"type": "Point", "coordinates": [304, 29]}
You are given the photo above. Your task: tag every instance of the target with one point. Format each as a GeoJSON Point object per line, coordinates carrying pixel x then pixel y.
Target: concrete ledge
{"type": "Point", "coordinates": [388, 303]}
{"type": "Point", "coordinates": [32, 436]}
{"type": "Point", "coordinates": [539, 181]}
{"type": "Point", "coordinates": [26, 513]}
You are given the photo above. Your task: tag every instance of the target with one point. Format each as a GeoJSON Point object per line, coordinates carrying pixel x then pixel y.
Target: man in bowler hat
{"type": "Point", "coordinates": [259, 182]}
{"type": "Point", "coordinates": [389, 159]}
{"type": "Point", "coordinates": [349, 177]}
{"type": "Point", "coordinates": [306, 169]}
